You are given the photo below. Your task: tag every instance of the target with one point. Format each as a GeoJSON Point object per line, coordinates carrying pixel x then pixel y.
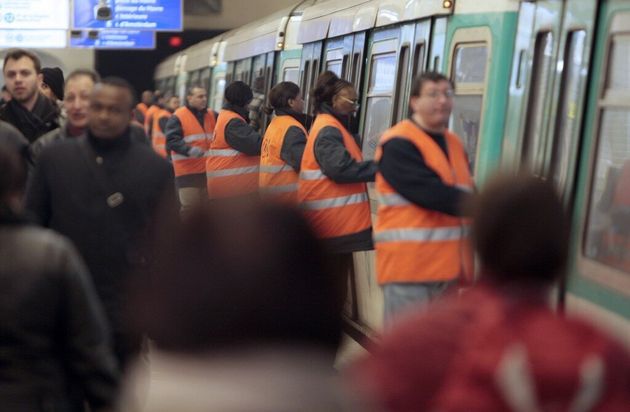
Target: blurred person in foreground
{"type": "Point", "coordinates": [244, 314]}
{"type": "Point", "coordinates": [54, 351]}
{"type": "Point", "coordinates": [499, 347]}
{"type": "Point", "coordinates": [104, 192]}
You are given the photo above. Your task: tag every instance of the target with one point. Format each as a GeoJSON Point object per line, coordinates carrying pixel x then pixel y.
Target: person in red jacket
{"type": "Point", "coordinates": [499, 347]}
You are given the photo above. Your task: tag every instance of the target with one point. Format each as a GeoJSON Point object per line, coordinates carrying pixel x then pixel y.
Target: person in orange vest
{"type": "Point", "coordinates": [160, 118]}
{"type": "Point", "coordinates": [234, 156]}
{"type": "Point", "coordinates": [283, 144]}
{"type": "Point", "coordinates": [332, 190]}
{"type": "Point", "coordinates": [141, 108]}
{"type": "Point", "coordinates": [188, 135]}
{"type": "Point", "coordinates": [156, 105]}
{"type": "Point", "coordinates": [424, 176]}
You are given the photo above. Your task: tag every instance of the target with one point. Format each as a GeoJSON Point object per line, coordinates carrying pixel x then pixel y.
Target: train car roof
{"type": "Point", "coordinates": [202, 54]}
{"type": "Point", "coordinates": [331, 18]}
{"type": "Point", "coordinates": [261, 36]}
{"type": "Point", "coordinates": [166, 68]}
{"type": "Point", "coordinates": [477, 6]}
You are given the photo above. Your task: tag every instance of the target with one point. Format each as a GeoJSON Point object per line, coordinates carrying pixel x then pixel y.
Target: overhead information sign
{"type": "Point", "coordinates": [45, 39]}
{"type": "Point", "coordinates": [114, 39]}
{"type": "Point", "coordinates": [34, 14]}
{"type": "Point", "coordinates": [158, 15]}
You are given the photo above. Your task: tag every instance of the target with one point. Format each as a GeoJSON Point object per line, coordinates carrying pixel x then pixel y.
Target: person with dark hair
{"type": "Point", "coordinates": [498, 346]}
{"type": "Point", "coordinates": [157, 102]}
{"type": "Point", "coordinates": [52, 83]}
{"type": "Point", "coordinates": [189, 132]}
{"type": "Point", "coordinates": [424, 176]}
{"type": "Point", "coordinates": [103, 191]}
{"type": "Point", "coordinates": [5, 96]}
{"type": "Point", "coordinates": [28, 110]}
{"type": "Point", "coordinates": [243, 316]}
{"type": "Point", "coordinates": [140, 111]}
{"type": "Point", "coordinates": [9, 135]}
{"type": "Point", "coordinates": [233, 159]}
{"type": "Point", "coordinates": [160, 120]}
{"type": "Point", "coordinates": [55, 348]}
{"type": "Point", "coordinates": [78, 89]}
{"type": "Point", "coordinates": [332, 188]}
{"type": "Point", "coordinates": [283, 144]}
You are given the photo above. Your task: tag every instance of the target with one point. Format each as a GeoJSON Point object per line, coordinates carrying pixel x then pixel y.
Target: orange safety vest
{"type": "Point", "coordinates": [158, 140]}
{"type": "Point", "coordinates": [143, 108]}
{"type": "Point", "coordinates": [148, 117]}
{"type": "Point", "coordinates": [277, 179]}
{"type": "Point", "coordinates": [333, 209]}
{"type": "Point", "coordinates": [229, 172]}
{"type": "Point", "coordinates": [414, 244]}
{"type": "Point", "coordinates": [196, 136]}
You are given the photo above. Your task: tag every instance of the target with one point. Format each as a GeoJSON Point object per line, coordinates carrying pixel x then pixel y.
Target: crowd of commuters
{"type": "Point", "coordinates": [227, 243]}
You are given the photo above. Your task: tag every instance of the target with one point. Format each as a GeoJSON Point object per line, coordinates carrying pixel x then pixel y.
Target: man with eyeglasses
{"type": "Point", "coordinates": [423, 179]}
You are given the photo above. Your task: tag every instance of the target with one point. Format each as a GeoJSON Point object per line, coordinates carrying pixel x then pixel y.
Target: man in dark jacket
{"type": "Point", "coordinates": [55, 342]}
{"type": "Point", "coordinates": [29, 111]}
{"type": "Point", "coordinates": [103, 192]}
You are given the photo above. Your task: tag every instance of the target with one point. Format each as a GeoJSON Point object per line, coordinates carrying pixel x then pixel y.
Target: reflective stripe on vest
{"type": "Point", "coordinates": [275, 169]}
{"type": "Point", "coordinates": [229, 171]}
{"type": "Point", "coordinates": [414, 244]}
{"type": "Point", "coordinates": [280, 189]}
{"type": "Point", "coordinates": [334, 202]}
{"type": "Point", "coordinates": [437, 234]}
{"type": "Point", "coordinates": [333, 209]}
{"type": "Point", "coordinates": [194, 135]}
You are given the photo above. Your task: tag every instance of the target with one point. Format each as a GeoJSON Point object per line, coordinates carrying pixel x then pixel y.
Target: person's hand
{"type": "Point", "coordinates": [195, 152]}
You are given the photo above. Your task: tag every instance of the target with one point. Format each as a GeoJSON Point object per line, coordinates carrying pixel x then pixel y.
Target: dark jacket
{"type": "Point", "coordinates": [43, 118]}
{"type": "Point", "coordinates": [403, 167]}
{"type": "Point", "coordinates": [337, 164]}
{"type": "Point", "coordinates": [55, 348]}
{"type": "Point", "coordinates": [13, 137]}
{"type": "Point", "coordinates": [240, 135]}
{"type": "Point", "coordinates": [65, 194]}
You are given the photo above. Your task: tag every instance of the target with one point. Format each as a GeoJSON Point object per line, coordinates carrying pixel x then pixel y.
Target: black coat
{"type": "Point", "coordinates": [43, 118]}
{"type": "Point", "coordinates": [65, 195]}
{"type": "Point", "coordinates": [54, 347]}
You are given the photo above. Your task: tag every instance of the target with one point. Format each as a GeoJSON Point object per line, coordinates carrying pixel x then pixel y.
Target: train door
{"type": "Point", "coordinates": [309, 71]}
{"type": "Point", "coordinates": [243, 70]}
{"type": "Point", "coordinates": [601, 266]}
{"type": "Point", "coordinates": [530, 101]}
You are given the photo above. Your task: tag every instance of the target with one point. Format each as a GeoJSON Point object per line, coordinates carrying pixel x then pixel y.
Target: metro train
{"type": "Point", "coordinates": [542, 85]}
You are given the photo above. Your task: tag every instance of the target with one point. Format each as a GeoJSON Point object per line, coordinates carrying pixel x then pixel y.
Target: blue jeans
{"type": "Point", "coordinates": [401, 296]}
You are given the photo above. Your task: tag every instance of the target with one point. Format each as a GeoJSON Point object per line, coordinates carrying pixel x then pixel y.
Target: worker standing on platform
{"type": "Point", "coordinates": [283, 144]}
{"type": "Point", "coordinates": [160, 119]}
{"type": "Point", "coordinates": [156, 104]}
{"type": "Point", "coordinates": [332, 190]}
{"type": "Point", "coordinates": [188, 135]}
{"type": "Point", "coordinates": [420, 235]}
{"type": "Point", "coordinates": [233, 159]}
{"type": "Point", "coordinates": [140, 111]}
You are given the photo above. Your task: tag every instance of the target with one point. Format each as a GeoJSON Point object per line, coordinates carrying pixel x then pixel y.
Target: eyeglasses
{"type": "Point", "coordinates": [354, 102]}
{"type": "Point", "coordinates": [436, 93]}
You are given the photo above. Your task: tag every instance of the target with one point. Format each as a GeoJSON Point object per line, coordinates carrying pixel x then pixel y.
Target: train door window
{"type": "Point", "coordinates": [380, 92]}
{"type": "Point", "coordinates": [334, 61]}
{"type": "Point", "coordinates": [258, 74]}
{"type": "Point", "coordinates": [608, 227]}
{"type": "Point", "coordinates": [567, 128]}
{"type": "Point", "coordinates": [205, 80]}
{"type": "Point", "coordinates": [291, 74]}
{"type": "Point", "coordinates": [539, 88]}
{"type": "Point", "coordinates": [418, 59]}
{"type": "Point", "coordinates": [219, 90]}
{"type": "Point", "coordinates": [229, 75]}
{"type": "Point", "coordinates": [468, 72]}
{"type": "Point", "coordinates": [402, 106]}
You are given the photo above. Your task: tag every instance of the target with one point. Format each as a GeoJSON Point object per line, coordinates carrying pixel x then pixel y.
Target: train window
{"type": "Point", "coordinates": [356, 68]}
{"type": "Point", "coordinates": [219, 89]}
{"type": "Point", "coordinates": [539, 89]}
{"type": "Point", "coordinates": [567, 128]}
{"type": "Point", "coordinates": [608, 226]}
{"type": "Point", "coordinates": [402, 99]}
{"type": "Point", "coordinates": [334, 61]}
{"type": "Point", "coordinates": [334, 66]}
{"type": "Point", "coordinates": [418, 59]}
{"type": "Point", "coordinates": [382, 80]}
{"type": "Point", "coordinates": [469, 76]}
{"type": "Point", "coordinates": [291, 74]}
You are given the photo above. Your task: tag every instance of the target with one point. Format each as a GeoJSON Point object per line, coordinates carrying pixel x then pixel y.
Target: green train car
{"type": "Point", "coordinates": [539, 85]}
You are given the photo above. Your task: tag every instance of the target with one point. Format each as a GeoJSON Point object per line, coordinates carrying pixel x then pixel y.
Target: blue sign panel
{"type": "Point", "coordinates": [158, 15]}
{"type": "Point", "coordinates": [113, 39]}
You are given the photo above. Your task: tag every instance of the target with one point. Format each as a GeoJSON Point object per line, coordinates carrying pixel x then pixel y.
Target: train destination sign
{"type": "Point", "coordinates": [156, 15]}
{"type": "Point", "coordinates": [34, 14]}
{"type": "Point", "coordinates": [113, 39]}
{"type": "Point", "coordinates": [49, 39]}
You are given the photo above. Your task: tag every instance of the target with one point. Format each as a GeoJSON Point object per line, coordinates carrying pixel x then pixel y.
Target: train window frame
{"type": "Point", "coordinates": [588, 267]}
{"type": "Point", "coordinates": [471, 37]}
